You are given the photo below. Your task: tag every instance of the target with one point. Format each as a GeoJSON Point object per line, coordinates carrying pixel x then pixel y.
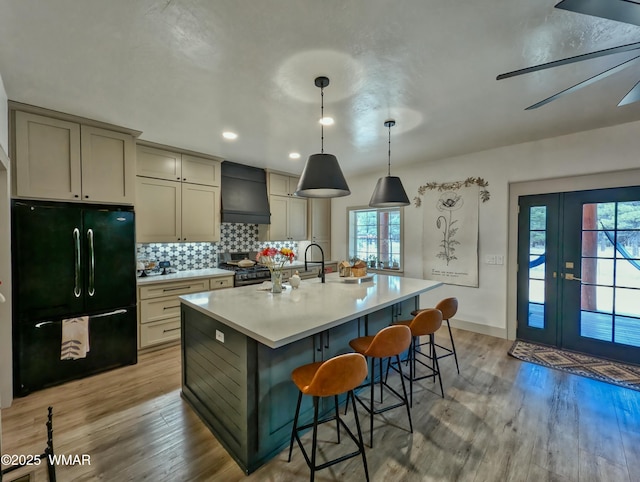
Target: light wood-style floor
{"type": "Point", "coordinates": [501, 420]}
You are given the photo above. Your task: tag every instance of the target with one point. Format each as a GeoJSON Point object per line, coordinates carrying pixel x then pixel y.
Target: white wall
{"type": "Point", "coordinates": [484, 309]}
{"type": "Point", "coordinates": [4, 118]}
{"type": "Point", "coordinates": [5, 257]}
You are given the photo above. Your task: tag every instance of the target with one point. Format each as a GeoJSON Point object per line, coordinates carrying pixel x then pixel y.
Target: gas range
{"type": "Point", "coordinates": [244, 275]}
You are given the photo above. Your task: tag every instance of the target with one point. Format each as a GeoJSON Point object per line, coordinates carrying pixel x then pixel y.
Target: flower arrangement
{"type": "Point", "coordinates": [274, 259]}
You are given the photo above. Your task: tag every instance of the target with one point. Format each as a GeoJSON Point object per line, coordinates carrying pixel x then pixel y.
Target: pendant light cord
{"type": "Point", "coordinates": [321, 120]}
{"type": "Point", "coordinates": [389, 150]}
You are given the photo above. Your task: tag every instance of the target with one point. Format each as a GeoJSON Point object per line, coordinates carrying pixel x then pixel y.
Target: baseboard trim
{"type": "Point", "coordinates": [478, 328]}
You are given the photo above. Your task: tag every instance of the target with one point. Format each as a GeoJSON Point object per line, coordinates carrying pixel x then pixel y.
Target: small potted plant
{"type": "Point", "coordinates": [373, 260]}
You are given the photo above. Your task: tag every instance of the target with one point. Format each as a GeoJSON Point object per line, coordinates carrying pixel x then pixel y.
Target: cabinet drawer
{"type": "Point", "coordinates": [170, 289]}
{"type": "Point", "coordinates": [159, 309]}
{"type": "Point", "coordinates": [159, 332]}
{"type": "Point", "coordinates": [219, 283]}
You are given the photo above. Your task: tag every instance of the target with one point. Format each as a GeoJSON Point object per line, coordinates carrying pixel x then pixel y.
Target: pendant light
{"type": "Point", "coordinates": [322, 176]}
{"type": "Point", "coordinates": [389, 191]}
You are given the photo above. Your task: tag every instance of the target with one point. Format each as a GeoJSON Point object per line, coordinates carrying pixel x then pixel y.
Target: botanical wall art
{"type": "Point", "coordinates": [450, 240]}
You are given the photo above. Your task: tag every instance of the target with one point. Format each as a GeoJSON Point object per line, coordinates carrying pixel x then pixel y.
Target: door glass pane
{"type": "Point", "coordinates": [627, 302]}
{"type": "Point", "coordinates": [596, 325]}
{"type": "Point", "coordinates": [627, 330]}
{"type": "Point", "coordinates": [628, 245]}
{"type": "Point", "coordinates": [538, 218]}
{"type": "Point", "coordinates": [537, 265]}
{"type": "Point", "coordinates": [597, 298]}
{"type": "Point", "coordinates": [605, 215]}
{"type": "Point", "coordinates": [597, 271]}
{"type": "Point", "coordinates": [627, 275]}
{"type": "Point", "coordinates": [628, 215]}
{"type": "Point", "coordinates": [603, 247]}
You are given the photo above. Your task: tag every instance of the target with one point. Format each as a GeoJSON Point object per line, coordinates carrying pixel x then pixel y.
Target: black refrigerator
{"type": "Point", "coordinates": [71, 260]}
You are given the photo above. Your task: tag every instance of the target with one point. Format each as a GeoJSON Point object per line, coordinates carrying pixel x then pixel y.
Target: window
{"type": "Point", "coordinates": [375, 236]}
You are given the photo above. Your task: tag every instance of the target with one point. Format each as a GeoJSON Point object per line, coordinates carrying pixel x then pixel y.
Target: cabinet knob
{"type": "Point", "coordinates": [184, 178]}
{"type": "Point", "coordinates": [178, 178]}
{"type": "Point", "coordinates": [86, 196]}
{"type": "Point", "coordinates": [76, 196]}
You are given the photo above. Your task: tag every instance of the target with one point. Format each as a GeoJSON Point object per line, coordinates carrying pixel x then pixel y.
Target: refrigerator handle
{"type": "Point", "coordinates": [92, 264]}
{"type": "Point", "coordinates": [77, 291]}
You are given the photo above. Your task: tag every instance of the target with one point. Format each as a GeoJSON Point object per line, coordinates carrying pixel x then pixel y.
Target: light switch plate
{"type": "Point", "coordinates": [219, 336]}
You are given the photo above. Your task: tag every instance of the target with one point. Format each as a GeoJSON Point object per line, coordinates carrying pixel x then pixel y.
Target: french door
{"type": "Point", "coordinates": [579, 271]}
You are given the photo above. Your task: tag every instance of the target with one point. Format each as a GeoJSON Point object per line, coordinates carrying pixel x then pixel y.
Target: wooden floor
{"type": "Point", "coordinates": [501, 419]}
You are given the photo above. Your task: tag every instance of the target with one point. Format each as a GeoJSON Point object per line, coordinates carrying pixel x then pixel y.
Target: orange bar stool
{"type": "Point", "coordinates": [425, 323]}
{"type": "Point", "coordinates": [448, 307]}
{"type": "Point", "coordinates": [330, 378]}
{"type": "Point", "coordinates": [387, 343]}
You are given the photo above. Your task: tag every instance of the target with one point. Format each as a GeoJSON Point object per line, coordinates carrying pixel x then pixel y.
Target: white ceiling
{"type": "Point", "coordinates": [182, 71]}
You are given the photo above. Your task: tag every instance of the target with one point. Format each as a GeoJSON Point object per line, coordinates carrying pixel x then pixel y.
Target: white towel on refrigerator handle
{"type": "Point", "coordinates": [75, 338]}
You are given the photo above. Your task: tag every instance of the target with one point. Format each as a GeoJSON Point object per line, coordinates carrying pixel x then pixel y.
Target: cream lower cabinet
{"type": "Point", "coordinates": [67, 161]}
{"type": "Point", "coordinates": [159, 307]}
{"type": "Point", "coordinates": [172, 211]}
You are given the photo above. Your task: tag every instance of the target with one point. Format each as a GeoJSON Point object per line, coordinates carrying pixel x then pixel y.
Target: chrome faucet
{"type": "Point", "coordinates": [321, 274]}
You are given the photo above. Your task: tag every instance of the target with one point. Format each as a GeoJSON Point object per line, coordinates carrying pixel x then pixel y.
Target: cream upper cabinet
{"type": "Point", "coordinates": [288, 213]}
{"type": "Point", "coordinates": [158, 210]}
{"type": "Point", "coordinates": [158, 163]}
{"type": "Point", "coordinates": [320, 227]}
{"type": "Point", "coordinates": [200, 213]}
{"type": "Point", "coordinates": [108, 166]}
{"type": "Point", "coordinates": [175, 166]}
{"type": "Point", "coordinates": [63, 160]}
{"type": "Point", "coordinates": [178, 197]}
{"type": "Point", "coordinates": [47, 157]}
{"type": "Point", "coordinates": [282, 185]}
{"type": "Point", "coordinates": [320, 219]}
{"type": "Point", "coordinates": [196, 170]}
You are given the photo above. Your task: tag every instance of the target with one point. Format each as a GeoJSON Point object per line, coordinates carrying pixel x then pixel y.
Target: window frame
{"type": "Point", "coordinates": [351, 237]}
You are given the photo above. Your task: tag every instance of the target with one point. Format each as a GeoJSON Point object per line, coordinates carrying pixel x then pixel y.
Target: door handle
{"type": "Point", "coordinates": [76, 247]}
{"type": "Point", "coordinates": [92, 264]}
{"type": "Point", "coordinates": [570, 277]}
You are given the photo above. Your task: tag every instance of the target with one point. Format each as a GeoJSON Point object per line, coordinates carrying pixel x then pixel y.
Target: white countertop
{"type": "Point", "coordinates": [184, 275]}
{"type": "Point", "coordinates": [278, 319]}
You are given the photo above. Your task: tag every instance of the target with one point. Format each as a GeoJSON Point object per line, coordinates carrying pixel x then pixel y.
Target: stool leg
{"type": "Point", "coordinates": [436, 364]}
{"type": "Point", "coordinates": [380, 366]}
{"type": "Point", "coordinates": [361, 441]}
{"type": "Point", "coordinates": [315, 437]}
{"type": "Point", "coordinates": [453, 347]}
{"type": "Point", "coordinates": [406, 401]}
{"type": "Point", "coordinates": [295, 425]}
{"type": "Point", "coordinates": [412, 367]}
{"type": "Point", "coordinates": [373, 373]}
{"type": "Point", "coordinates": [335, 401]}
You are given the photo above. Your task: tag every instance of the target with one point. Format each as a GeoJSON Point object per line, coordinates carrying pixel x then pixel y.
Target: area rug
{"type": "Point", "coordinates": [627, 376]}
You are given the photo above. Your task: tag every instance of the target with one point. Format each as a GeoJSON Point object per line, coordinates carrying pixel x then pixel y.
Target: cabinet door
{"type": "Point", "coordinates": [47, 158]}
{"type": "Point", "coordinates": [158, 211]}
{"type": "Point", "coordinates": [279, 206]}
{"type": "Point", "coordinates": [108, 166]}
{"type": "Point", "coordinates": [279, 184]}
{"type": "Point", "coordinates": [297, 219]}
{"type": "Point", "coordinates": [200, 213]}
{"type": "Point", "coordinates": [196, 170]}
{"type": "Point", "coordinates": [320, 219]}
{"type": "Point", "coordinates": [158, 163]}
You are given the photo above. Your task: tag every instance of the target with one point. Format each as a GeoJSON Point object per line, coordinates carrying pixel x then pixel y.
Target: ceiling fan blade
{"type": "Point", "coordinates": [632, 96]}
{"type": "Point", "coordinates": [571, 60]}
{"type": "Point", "coordinates": [619, 10]}
{"type": "Point", "coordinates": [585, 83]}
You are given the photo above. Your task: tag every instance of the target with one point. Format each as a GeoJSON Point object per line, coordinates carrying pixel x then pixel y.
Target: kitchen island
{"type": "Point", "coordinates": [239, 347]}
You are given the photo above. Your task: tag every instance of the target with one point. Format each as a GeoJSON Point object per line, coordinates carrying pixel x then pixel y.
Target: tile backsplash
{"type": "Point", "coordinates": [187, 256]}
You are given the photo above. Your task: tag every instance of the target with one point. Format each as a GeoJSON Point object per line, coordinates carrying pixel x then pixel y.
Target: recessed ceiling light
{"type": "Point", "coordinates": [326, 121]}
{"type": "Point", "coordinates": [294, 155]}
{"type": "Point", "coordinates": [229, 135]}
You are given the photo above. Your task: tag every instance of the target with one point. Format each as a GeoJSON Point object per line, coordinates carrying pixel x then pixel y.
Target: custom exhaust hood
{"type": "Point", "coordinates": [244, 194]}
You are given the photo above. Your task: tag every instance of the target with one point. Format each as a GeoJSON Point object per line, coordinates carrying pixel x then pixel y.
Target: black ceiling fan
{"type": "Point", "coordinates": [626, 11]}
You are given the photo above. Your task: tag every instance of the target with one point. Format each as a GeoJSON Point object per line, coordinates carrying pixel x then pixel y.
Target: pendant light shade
{"type": "Point", "coordinates": [389, 191]}
{"type": "Point", "coordinates": [322, 176]}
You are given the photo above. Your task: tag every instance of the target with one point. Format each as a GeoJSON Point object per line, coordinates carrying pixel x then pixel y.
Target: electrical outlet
{"type": "Point", "coordinates": [499, 259]}
{"type": "Point", "coordinates": [219, 336]}
{"type": "Point", "coordinates": [490, 259]}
